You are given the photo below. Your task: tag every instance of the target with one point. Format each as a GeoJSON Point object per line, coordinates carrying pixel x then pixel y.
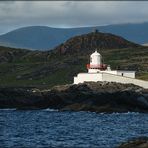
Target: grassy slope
{"type": "Point", "coordinates": [45, 69]}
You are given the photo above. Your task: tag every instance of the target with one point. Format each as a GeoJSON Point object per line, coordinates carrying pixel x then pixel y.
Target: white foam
{"type": "Point", "coordinates": [50, 110]}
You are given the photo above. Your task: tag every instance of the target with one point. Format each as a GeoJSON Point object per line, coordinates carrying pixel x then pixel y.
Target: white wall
{"type": "Point", "coordinates": [98, 70]}
{"type": "Point", "coordinates": [110, 71]}
{"type": "Point", "coordinates": [130, 74]}
{"type": "Point", "coordinates": [103, 76]}
{"type": "Point", "coordinates": [82, 77]}
{"type": "Point", "coordinates": [121, 79]}
{"type": "Point", "coordinates": [93, 70]}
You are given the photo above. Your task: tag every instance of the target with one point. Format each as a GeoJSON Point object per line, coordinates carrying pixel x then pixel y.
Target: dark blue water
{"type": "Point", "coordinates": [46, 128]}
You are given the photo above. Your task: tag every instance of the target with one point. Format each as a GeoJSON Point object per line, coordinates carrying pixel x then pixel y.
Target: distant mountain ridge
{"type": "Point", "coordinates": [46, 38]}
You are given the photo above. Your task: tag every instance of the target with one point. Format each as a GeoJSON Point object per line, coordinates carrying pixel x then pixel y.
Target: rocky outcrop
{"type": "Point", "coordinates": [94, 40]}
{"type": "Point", "coordinates": [96, 97]}
{"type": "Point", "coordinates": [141, 142]}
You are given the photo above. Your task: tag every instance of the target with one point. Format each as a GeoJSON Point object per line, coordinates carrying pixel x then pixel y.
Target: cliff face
{"type": "Point", "coordinates": [96, 97]}
{"type": "Point", "coordinates": [94, 40]}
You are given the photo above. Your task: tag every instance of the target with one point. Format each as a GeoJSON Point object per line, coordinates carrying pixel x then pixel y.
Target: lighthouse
{"type": "Point", "coordinates": [98, 71]}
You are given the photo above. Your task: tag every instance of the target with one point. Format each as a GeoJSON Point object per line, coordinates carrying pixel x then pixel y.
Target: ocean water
{"type": "Point", "coordinates": [51, 128]}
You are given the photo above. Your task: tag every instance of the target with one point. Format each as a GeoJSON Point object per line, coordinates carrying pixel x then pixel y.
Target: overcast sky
{"type": "Point", "coordinates": [16, 14]}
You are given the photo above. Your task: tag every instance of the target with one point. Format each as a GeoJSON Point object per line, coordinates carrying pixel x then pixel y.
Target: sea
{"type": "Point", "coordinates": [49, 128]}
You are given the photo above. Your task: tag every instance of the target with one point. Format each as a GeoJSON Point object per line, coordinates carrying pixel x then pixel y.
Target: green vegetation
{"type": "Point", "coordinates": [20, 67]}
{"type": "Point", "coordinates": [34, 69]}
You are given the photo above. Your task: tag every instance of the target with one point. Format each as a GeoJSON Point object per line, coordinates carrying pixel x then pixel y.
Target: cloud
{"type": "Point", "coordinates": [16, 14]}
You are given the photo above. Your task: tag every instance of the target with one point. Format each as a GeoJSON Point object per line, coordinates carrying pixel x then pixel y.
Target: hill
{"type": "Point", "coordinates": [92, 41]}
{"type": "Point", "coordinates": [20, 67]}
{"type": "Point", "coordinates": [45, 38]}
{"type": "Point", "coordinates": [39, 37]}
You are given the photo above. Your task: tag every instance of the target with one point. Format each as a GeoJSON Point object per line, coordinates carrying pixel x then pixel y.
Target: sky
{"type": "Point", "coordinates": [69, 14]}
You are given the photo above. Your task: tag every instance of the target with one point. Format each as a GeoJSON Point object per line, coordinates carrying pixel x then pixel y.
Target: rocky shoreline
{"type": "Point", "coordinates": [97, 97]}
{"type": "Point", "coordinates": [139, 142]}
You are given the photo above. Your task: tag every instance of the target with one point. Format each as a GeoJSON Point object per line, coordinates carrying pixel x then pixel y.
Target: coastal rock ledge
{"type": "Point", "coordinates": [140, 142]}
{"type": "Point", "coordinates": [100, 97]}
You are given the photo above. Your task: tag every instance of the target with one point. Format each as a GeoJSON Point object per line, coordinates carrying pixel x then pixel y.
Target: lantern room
{"type": "Point", "coordinates": [96, 62]}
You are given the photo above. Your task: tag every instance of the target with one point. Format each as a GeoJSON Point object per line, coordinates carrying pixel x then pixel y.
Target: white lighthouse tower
{"type": "Point", "coordinates": [96, 63]}
{"type": "Point", "coordinates": [95, 58]}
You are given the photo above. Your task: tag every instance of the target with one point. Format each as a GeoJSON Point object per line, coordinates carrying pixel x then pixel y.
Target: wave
{"type": "Point", "coordinates": [126, 113]}
{"type": "Point", "coordinates": [50, 110]}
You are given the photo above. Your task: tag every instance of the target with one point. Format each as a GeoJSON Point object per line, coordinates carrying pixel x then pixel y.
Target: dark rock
{"type": "Point", "coordinates": [141, 142]}
{"type": "Point", "coordinates": [97, 97]}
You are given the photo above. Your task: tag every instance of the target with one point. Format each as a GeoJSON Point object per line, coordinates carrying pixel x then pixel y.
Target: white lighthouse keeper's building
{"type": "Point", "coordinates": [97, 71]}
